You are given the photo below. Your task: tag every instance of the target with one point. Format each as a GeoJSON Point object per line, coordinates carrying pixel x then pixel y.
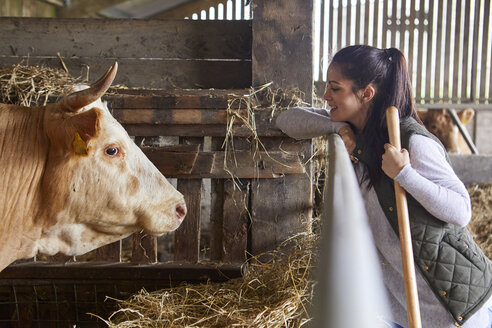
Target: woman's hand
{"type": "Point", "coordinates": [348, 138]}
{"type": "Point", "coordinates": [394, 161]}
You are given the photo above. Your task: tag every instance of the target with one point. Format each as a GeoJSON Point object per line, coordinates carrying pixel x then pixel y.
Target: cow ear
{"type": "Point", "coordinates": [73, 133]}
{"type": "Point", "coordinates": [466, 115]}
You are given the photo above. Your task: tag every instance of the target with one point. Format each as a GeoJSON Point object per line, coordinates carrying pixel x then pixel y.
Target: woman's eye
{"type": "Point", "coordinates": [112, 151]}
{"type": "Point", "coordinates": [334, 89]}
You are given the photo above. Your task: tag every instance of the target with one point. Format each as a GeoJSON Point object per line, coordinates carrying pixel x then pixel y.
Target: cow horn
{"type": "Point", "coordinates": [79, 99]}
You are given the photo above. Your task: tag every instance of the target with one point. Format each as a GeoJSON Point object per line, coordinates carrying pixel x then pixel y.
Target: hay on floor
{"type": "Point", "coordinates": [481, 223]}
{"type": "Point", "coordinates": [272, 294]}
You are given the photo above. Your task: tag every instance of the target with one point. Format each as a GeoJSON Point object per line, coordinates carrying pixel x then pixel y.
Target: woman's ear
{"type": "Point", "coordinates": [368, 93]}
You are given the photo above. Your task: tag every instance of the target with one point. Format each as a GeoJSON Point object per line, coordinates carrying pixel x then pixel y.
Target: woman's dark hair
{"type": "Point", "coordinates": [386, 70]}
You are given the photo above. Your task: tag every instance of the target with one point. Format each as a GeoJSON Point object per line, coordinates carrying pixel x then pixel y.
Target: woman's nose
{"type": "Point", "coordinates": [326, 96]}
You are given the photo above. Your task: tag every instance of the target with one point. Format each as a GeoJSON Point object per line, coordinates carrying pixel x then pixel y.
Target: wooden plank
{"type": "Point", "coordinates": [33, 273]}
{"type": "Point", "coordinates": [384, 32]}
{"type": "Point", "coordinates": [175, 116]}
{"type": "Point", "coordinates": [280, 214]}
{"type": "Point", "coordinates": [366, 24]}
{"type": "Point", "coordinates": [438, 54]}
{"type": "Point", "coordinates": [339, 30]}
{"type": "Point", "coordinates": [144, 248]}
{"type": "Point", "coordinates": [216, 207]}
{"type": "Point", "coordinates": [296, 50]}
{"type": "Point", "coordinates": [485, 52]}
{"type": "Point", "coordinates": [331, 31]}
{"type": "Point", "coordinates": [430, 26]}
{"type": "Point", "coordinates": [475, 62]}
{"type": "Point", "coordinates": [376, 24]}
{"type": "Point", "coordinates": [240, 163]}
{"type": "Point", "coordinates": [264, 128]}
{"type": "Point", "coordinates": [348, 23]}
{"type": "Point", "coordinates": [447, 51]}
{"type": "Point", "coordinates": [457, 45]}
{"type": "Point", "coordinates": [174, 99]}
{"type": "Point", "coordinates": [187, 236]}
{"type": "Point", "coordinates": [150, 74]}
{"type": "Point", "coordinates": [415, 62]}
{"type": "Point", "coordinates": [322, 37]}
{"type": "Point", "coordinates": [126, 38]}
{"type": "Point", "coordinates": [235, 221]}
{"type": "Point", "coordinates": [464, 59]}
{"type": "Point", "coordinates": [358, 22]}
{"type": "Point", "coordinates": [110, 252]}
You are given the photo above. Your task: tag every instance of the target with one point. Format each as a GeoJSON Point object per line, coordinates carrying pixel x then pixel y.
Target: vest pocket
{"type": "Point", "coordinates": [464, 249]}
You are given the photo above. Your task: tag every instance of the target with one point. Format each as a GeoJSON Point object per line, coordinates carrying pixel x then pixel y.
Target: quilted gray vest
{"type": "Point", "coordinates": [450, 261]}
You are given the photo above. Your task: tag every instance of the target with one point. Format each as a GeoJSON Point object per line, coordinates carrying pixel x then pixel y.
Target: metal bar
{"type": "Point", "coordinates": [357, 284]}
{"type": "Point", "coordinates": [463, 131]}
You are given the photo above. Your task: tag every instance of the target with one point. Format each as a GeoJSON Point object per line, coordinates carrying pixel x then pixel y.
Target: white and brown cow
{"type": "Point", "coordinates": [71, 179]}
{"type": "Point", "coordinates": [440, 123]}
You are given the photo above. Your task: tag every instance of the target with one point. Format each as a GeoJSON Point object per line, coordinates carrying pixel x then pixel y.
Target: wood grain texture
{"type": "Point", "coordinates": [126, 38]}
{"type": "Point", "coordinates": [150, 74]}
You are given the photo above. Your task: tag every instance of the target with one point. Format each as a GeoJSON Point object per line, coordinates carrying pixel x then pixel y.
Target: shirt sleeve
{"type": "Point", "coordinates": [306, 122]}
{"type": "Point", "coordinates": [430, 179]}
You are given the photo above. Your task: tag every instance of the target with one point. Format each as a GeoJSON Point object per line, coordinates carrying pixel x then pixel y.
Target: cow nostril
{"type": "Point", "coordinates": [180, 211]}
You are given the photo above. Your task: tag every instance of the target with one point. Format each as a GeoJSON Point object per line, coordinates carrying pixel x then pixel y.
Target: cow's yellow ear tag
{"type": "Point", "coordinates": [79, 145]}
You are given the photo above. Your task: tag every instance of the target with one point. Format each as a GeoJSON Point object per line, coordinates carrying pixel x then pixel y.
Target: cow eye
{"type": "Point", "coordinates": [112, 151]}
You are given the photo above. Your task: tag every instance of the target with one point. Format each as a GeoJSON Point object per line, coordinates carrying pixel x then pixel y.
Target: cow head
{"type": "Point", "coordinates": [440, 123]}
{"type": "Point", "coordinates": [98, 185]}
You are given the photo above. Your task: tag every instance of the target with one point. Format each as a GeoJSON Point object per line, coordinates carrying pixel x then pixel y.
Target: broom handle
{"type": "Point", "coordinates": [413, 310]}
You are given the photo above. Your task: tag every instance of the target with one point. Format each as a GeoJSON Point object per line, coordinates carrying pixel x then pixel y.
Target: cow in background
{"type": "Point", "coordinates": [440, 123]}
{"type": "Point", "coordinates": [72, 179]}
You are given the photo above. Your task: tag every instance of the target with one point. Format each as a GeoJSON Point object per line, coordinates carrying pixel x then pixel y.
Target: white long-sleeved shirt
{"type": "Point", "coordinates": [432, 182]}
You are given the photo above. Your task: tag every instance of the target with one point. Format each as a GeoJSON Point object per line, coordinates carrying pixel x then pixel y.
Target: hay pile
{"type": "Point", "coordinates": [481, 223]}
{"type": "Point", "coordinates": [272, 294]}
{"type": "Point", "coordinates": [32, 85]}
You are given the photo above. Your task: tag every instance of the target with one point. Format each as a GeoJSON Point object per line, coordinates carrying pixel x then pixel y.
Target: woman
{"type": "Point", "coordinates": [454, 277]}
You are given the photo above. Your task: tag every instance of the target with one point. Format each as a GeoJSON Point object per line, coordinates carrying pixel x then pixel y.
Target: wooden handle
{"type": "Point", "coordinates": [413, 310]}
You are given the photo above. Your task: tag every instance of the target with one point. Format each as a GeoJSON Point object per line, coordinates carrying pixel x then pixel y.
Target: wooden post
{"type": "Point", "coordinates": [282, 54]}
{"type": "Point", "coordinates": [413, 310]}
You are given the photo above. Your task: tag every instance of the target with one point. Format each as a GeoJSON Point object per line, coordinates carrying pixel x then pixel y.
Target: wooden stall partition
{"type": "Point", "coordinates": [282, 53]}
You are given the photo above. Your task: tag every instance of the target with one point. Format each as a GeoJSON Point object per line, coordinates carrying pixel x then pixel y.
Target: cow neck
{"type": "Point", "coordinates": [23, 154]}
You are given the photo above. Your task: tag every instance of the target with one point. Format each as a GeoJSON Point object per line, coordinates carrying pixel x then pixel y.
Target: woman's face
{"type": "Point", "coordinates": [345, 105]}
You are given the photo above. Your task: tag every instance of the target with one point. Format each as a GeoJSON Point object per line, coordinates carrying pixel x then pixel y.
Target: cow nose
{"type": "Point", "coordinates": [180, 211]}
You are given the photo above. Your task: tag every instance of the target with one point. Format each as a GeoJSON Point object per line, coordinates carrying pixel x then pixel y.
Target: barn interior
{"type": "Point", "coordinates": [199, 85]}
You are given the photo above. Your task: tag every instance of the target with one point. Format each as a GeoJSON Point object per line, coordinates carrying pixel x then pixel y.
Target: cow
{"type": "Point", "coordinates": [73, 180]}
{"type": "Point", "coordinates": [440, 123]}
